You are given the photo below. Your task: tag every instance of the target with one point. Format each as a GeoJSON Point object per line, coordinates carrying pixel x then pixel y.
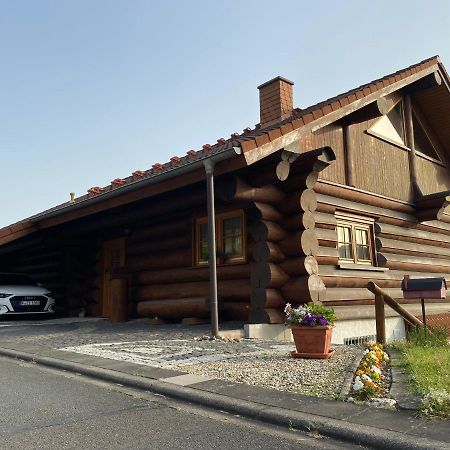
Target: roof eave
{"type": "Point", "coordinates": [172, 173]}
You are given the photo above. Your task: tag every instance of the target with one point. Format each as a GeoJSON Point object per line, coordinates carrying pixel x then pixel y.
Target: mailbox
{"type": "Point", "coordinates": [424, 288]}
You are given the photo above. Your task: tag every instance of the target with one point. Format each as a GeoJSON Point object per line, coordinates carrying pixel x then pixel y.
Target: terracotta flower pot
{"type": "Point", "coordinates": [312, 342]}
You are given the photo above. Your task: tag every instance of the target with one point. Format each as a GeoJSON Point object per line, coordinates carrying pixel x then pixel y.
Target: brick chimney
{"type": "Point", "coordinates": [275, 100]}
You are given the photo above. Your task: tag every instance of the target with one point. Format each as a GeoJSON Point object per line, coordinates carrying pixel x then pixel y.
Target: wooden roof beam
{"type": "Point", "coordinates": [379, 107]}
{"type": "Point", "coordinates": [312, 161]}
{"type": "Point", "coordinates": [433, 206]}
{"type": "Point", "coordinates": [432, 80]}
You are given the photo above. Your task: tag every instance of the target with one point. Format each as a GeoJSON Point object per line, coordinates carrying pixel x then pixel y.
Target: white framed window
{"type": "Point", "coordinates": [355, 239]}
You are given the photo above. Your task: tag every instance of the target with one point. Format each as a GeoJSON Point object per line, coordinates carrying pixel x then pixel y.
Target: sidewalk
{"type": "Point", "coordinates": [358, 424]}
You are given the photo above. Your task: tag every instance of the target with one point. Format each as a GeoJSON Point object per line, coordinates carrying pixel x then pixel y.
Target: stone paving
{"type": "Point", "coordinates": [170, 353]}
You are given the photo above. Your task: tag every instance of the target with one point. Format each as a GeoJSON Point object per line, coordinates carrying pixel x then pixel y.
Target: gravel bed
{"type": "Point", "coordinates": [276, 370]}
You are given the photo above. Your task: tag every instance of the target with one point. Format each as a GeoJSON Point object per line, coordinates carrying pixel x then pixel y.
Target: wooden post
{"type": "Point", "coordinates": [381, 298]}
{"type": "Point", "coordinates": [119, 300]}
{"type": "Point", "coordinates": [410, 142]}
{"type": "Point", "coordinates": [209, 168]}
{"type": "Point", "coordinates": [424, 317]}
{"type": "Point", "coordinates": [380, 319]}
{"type": "Point", "coordinates": [349, 157]}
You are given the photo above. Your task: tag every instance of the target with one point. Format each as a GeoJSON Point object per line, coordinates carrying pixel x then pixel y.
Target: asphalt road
{"type": "Point", "coordinates": [42, 408]}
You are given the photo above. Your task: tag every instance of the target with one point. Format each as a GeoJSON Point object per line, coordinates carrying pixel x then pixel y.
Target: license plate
{"type": "Point", "coordinates": [30, 303]}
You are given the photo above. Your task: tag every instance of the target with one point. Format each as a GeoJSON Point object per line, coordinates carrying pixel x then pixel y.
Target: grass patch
{"type": "Point", "coordinates": [427, 358]}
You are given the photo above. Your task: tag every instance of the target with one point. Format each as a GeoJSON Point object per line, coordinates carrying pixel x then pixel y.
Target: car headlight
{"type": "Point", "coordinates": [2, 295]}
{"type": "Point", "coordinates": [48, 294]}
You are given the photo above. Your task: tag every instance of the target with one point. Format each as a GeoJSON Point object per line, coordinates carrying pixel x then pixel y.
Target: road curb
{"type": "Point", "coordinates": [338, 429]}
{"type": "Point", "coordinates": [399, 389]}
{"type": "Point", "coordinates": [348, 378]}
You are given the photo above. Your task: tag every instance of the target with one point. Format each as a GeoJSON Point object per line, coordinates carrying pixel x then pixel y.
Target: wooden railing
{"type": "Point", "coordinates": [380, 299]}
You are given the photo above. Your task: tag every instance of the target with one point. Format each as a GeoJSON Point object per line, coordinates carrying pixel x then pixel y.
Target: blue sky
{"type": "Point", "coordinates": [93, 90]}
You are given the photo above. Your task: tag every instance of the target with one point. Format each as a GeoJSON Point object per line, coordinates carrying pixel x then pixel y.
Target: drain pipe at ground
{"type": "Point", "coordinates": [209, 168]}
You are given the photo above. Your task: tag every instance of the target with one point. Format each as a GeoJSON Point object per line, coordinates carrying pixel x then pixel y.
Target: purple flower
{"type": "Point", "coordinates": [312, 320]}
{"type": "Point", "coordinates": [322, 321]}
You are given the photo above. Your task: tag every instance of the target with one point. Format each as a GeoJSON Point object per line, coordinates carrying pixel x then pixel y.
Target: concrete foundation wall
{"type": "Point", "coordinates": [352, 329]}
{"type": "Point", "coordinates": [344, 329]}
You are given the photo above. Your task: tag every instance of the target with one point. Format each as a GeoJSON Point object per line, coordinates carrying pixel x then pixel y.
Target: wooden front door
{"type": "Point", "coordinates": [113, 257]}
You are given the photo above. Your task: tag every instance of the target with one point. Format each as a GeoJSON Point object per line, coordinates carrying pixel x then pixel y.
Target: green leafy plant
{"type": "Point", "coordinates": [327, 313]}
{"type": "Point", "coordinates": [436, 403]}
{"type": "Point", "coordinates": [309, 315]}
{"type": "Point", "coordinates": [426, 356]}
{"type": "Point", "coordinates": [423, 337]}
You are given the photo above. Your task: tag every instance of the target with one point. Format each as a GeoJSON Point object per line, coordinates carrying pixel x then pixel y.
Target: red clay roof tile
{"type": "Point", "coordinates": [138, 174]}
{"type": "Point", "coordinates": [317, 113]}
{"type": "Point", "coordinates": [335, 105]}
{"type": "Point", "coordinates": [262, 139]}
{"type": "Point", "coordinates": [95, 190]}
{"type": "Point", "coordinates": [248, 145]}
{"type": "Point", "coordinates": [308, 118]}
{"type": "Point", "coordinates": [286, 128]}
{"type": "Point", "coordinates": [297, 123]}
{"type": "Point", "coordinates": [118, 182]}
{"type": "Point", "coordinates": [327, 109]}
{"type": "Point", "coordinates": [343, 101]}
{"type": "Point", "coordinates": [274, 134]}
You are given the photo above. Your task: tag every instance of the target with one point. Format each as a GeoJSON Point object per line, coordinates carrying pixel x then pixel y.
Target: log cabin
{"type": "Point", "coordinates": [309, 205]}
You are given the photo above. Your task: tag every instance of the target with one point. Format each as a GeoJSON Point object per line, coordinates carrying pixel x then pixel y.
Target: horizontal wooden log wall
{"type": "Point", "coordinates": [83, 275]}
{"type": "Point", "coordinates": [403, 246]}
{"type": "Point", "coordinates": [286, 242]}
{"type": "Point", "coordinates": [263, 218]}
{"type": "Point", "coordinates": [166, 284]}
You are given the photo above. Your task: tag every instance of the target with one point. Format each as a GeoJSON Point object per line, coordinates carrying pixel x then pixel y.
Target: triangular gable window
{"type": "Point", "coordinates": [391, 126]}
{"type": "Point", "coordinates": [422, 142]}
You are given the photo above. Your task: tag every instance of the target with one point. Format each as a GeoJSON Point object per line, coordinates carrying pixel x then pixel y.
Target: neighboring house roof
{"type": "Point", "coordinates": [266, 140]}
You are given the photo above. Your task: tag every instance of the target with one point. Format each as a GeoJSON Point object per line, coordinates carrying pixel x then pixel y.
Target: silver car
{"type": "Point", "coordinates": [19, 294]}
